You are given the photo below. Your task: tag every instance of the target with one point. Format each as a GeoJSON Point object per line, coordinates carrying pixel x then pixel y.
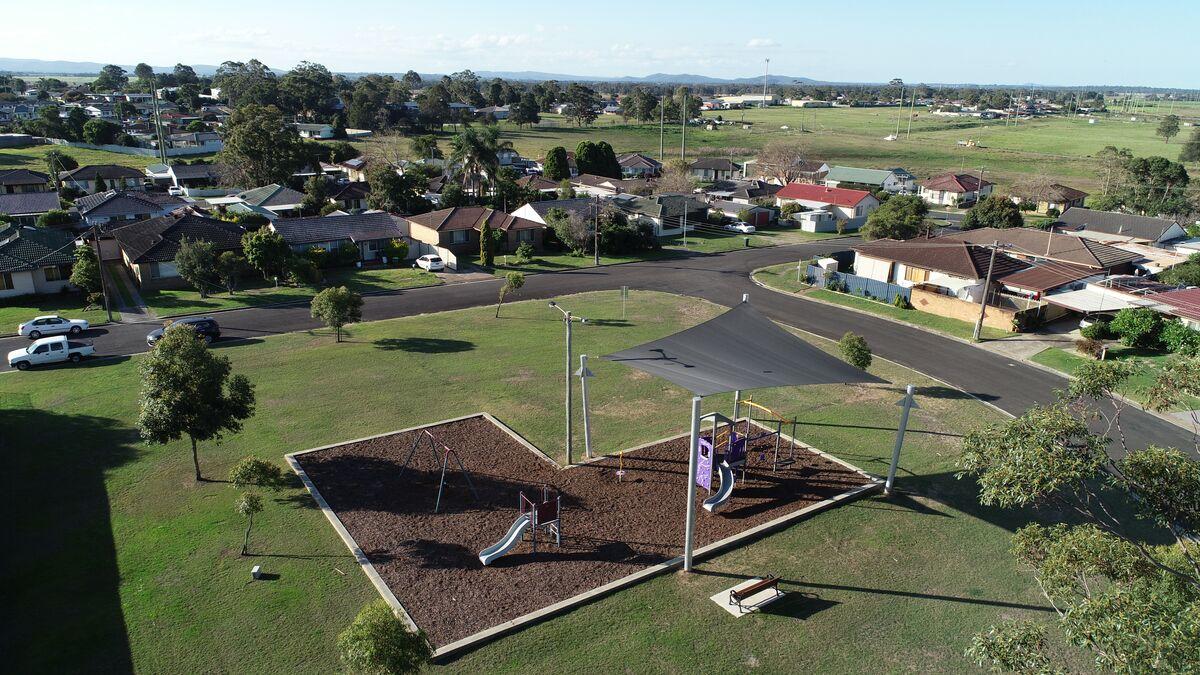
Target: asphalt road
{"type": "Point", "coordinates": [1010, 385]}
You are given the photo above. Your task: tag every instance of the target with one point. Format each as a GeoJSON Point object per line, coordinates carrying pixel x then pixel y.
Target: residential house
{"type": "Point", "coordinates": [278, 199]}
{"type": "Point", "coordinates": [851, 206]}
{"type": "Point", "coordinates": [1183, 304]}
{"type": "Point", "coordinates": [584, 207]}
{"type": "Point", "coordinates": [667, 213]}
{"type": "Point", "coordinates": [637, 165]}
{"type": "Point", "coordinates": [1039, 246]}
{"type": "Point", "coordinates": [894, 181]}
{"type": "Point", "coordinates": [742, 191]}
{"type": "Point", "coordinates": [195, 176]}
{"type": "Point", "coordinates": [602, 186]}
{"type": "Point", "coordinates": [351, 196]}
{"type": "Point", "coordinates": [207, 141]}
{"type": "Point", "coordinates": [1111, 226]}
{"type": "Point", "coordinates": [949, 268]}
{"type": "Point", "coordinates": [803, 171]}
{"type": "Point", "coordinates": [498, 112]}
{"type": "Point", "coordinates": [314, 131]}
{"type": "Point", "coordinates": [535, 182]}
{"type": "Point", "coordinates": [370, 232]}
{"type": "Point", "coordinates": [34, 260]}
{"type": "Point", "coordinates": [112, 209]}
{"type": "Point", "coordinates": [13, 181]}
{"type": "Point", "coordinates": [954, 189]}
{"type": "Point", "coordinates": [715, 168]}
{"type": "Point", "coordinates": [25, 207]}
{"type": "Point", "coordinates": [148, 248]}
{"type": "Point", "coordinates": [1054, 196]}
{"type": "Point", "coordinates": [457, 229]}
{"type": "Point", "coordinates": [111, 177]}
{"type": "Point", "coordinates": [758, 216]}
{"type": "Point", "coordinates": [355, 169]}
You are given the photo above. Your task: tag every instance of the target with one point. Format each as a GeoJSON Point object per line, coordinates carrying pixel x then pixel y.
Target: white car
{"type": "Point", "coordinates": [175, 191]}
{"type": "Point", "coordinates": [51, 325]}
{"type": "Point", "coordinates": [430, 262]}
{"type": "Point", "coordinates": [739, 226]}
{"type": "Point", "coordinates": [49, 350]}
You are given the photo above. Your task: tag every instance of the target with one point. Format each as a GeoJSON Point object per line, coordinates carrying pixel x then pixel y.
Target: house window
{"type": "Point", "coordinates": [917, 275]}
{"type": "Point", "coordinates": [6, 282]}
{"type": "Point", "coordinates": [525, 235]}
{"type": "Point", "coordinates": [459, 236]}
{"type": "Point", "coordinates": [57, 273]}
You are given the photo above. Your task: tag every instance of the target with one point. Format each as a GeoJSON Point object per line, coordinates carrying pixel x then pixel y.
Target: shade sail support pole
{"type": "Point", "coordinates": [693, 450]}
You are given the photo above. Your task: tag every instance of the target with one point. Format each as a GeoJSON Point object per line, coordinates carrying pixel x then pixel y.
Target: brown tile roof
{"type": "Point", "coordinates": [537, 182]}
{"type": "Point", "coordinates": [955, 182]}
{"type": "Point", "coordinates": [472, 218]}
{"type": "Point", "coordinates": [1028, 242]}
{"type": "Point", "coordinates": [956, 258]}
{"type": "Point", "coordinates": [1047, 277]}
{"type": "Point", "coordinates": [157, 239]}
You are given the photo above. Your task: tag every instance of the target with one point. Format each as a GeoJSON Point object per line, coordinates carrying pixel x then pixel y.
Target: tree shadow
{"type": "Point", "coordinates": [424, 345]}
{"type": "Point", "coordinates": [59, 569]}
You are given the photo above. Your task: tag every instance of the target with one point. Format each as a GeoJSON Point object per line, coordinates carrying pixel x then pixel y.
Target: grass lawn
{"type": "Point", "coordinates": [33, 157]}
{"type": "Point", "coordinates": [1067, 361]}
{"type": "Point", "coordinates": [372, 280]}
{"type": "Point", "coordinates": [110, 541]}
{"type": "Point", "coordinates": [118, 283]}
{"type": "Point", "coordinates": [70, 305]}
{"type": "Point", "coordinates": [783, 277]}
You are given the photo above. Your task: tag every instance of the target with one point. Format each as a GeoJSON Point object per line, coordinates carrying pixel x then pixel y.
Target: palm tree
{"type": "Point", "coordinates": [478, 149]}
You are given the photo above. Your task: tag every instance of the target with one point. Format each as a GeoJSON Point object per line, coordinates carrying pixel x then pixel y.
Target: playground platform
{"type": "Point", "coordinates": [614, 533]}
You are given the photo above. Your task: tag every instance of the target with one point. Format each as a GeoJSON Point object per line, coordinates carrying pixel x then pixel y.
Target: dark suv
{"type": "Point", "coordinates": [205, 326]}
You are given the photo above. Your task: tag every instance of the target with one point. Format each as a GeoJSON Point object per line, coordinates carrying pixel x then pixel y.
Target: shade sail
{"type": "Point", "coordinates": [740, 349]}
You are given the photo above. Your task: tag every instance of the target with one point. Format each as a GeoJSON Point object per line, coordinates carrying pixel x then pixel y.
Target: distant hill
{"type": "Point", "coordinates": [40, 67]}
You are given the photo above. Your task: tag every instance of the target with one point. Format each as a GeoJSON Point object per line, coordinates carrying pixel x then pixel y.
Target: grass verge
{"type": "Point", "coordinates": [1148, 366]}
{"type": "Point", "coordinates": [70, 305]}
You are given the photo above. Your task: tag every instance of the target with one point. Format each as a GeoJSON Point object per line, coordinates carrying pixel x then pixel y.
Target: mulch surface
{"type": "Point", "coordinates": [610, 528]}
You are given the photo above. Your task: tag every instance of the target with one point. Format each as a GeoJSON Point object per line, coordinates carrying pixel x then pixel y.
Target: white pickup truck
{"type": "Point", "coordinates": [49, 350]}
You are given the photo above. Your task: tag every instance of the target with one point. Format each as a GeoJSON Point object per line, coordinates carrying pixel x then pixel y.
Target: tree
{"type": "Point", "coordinates": [307, 89]}
{"type": "Point", "coordinates": [581, 104]}
{"type": "Point", "coordinates": [676, 177]}
{"type": "Point", "coordinates": [76, 119]}
{"type": "Point", "coordinates": [995, 211]}
{"type": "Point", "coordinates": [1191, 148]}
{"type": "Point", "coordinates": [144, 73]}
{"type": "Point", "coordinates": [1138, 327]}
{"type": "Point", "coordinates": [412, 79]}
{"type": "Point", "coordinates": [254, 472]}
{"type": "Point", "coordinates": [196, 261]}
{"type": "Point", "coordinates": [336, 307]}
{"type": "Point", "coordinates": [855, 350]}
{"type": "Point", "coordinates": [185, 74]}
{"type": "Point", "coordinates": [196, 127]}
{"type": "Point", "coordinates": [525, 111]}
{"type": "Point", "coordinates": [247, 505]}
{"type": "Point", "coordinates": [111, 78]}
{"type": "Point", "coordinates": [901, 217]}
{"type": "Point", "coordinates": [556, 166]}
{"type": "Point", "coordinates": [230, 268]}
{"type": "Point", "coordinates": [1168, 128]}
{"type": "Point", "coordinates": [243, 83]}
{"type": "Point", "coordinates": [316, 195]}
{"type": "Point", "coordinates": [478, 148]}
{"type": "Point", "coordinates": [513, 281]}
{"type": "Point", "coordinates": [100, 132]}
{"type": "Point", "coordinates": [58, 161]}
{"type": "Point", "coordinates": [259, 148]}
{"type": "Point", "coordinates": [782, 160]}
{"type": "Point", "coordinates": [379, 642]}
{"type": "Point", "coordinates": [565, 189]}
{"type": "Point", "coordinates": [266, 251]}
{"type": "Point", "coordinates": [394, 193]}
{"type": "Point", "coordinates": [188, 390]}
{"type": "Point", "coordinates": [487, 245]}
{"type": "Point", "coordinates": [53, 218]}
{"type": "Point", "coordinates": [426, 147]}
{"type": "Point", "coordinates": [85, 273]}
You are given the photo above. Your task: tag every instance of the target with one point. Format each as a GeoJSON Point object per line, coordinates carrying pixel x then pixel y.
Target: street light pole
{"type": "Point", "coordinates": [567, 319]}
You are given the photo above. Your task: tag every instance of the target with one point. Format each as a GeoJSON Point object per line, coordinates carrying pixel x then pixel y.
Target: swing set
{"type": "Point", "coordinates": [441, 457]}
{"type": "Point", "coordinates": [765, 417]}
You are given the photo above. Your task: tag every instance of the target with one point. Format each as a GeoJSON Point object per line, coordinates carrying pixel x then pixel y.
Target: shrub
{"type": "Point", "coordinates": [1096, 331]}
{"type": "Point", "coordinates": [396, 250]}
{"type": "Point", "coordinates": [254, 472]}
{"type": "Point", "coordinates": [901, 302]}
{"type": "Point", "coordinates": [1180, 339]}
{"type": "Point", "coordinates": [1139, 327]}
{"type": "Point", "coordinates": [1090, 347]}
{"type": "Point", "coordinates": [302, 271]}
{"type": "Point", "coordinates": [855, 350]}
{"type": "Point", "coordinates": [379, 642]}
{"type": "Point", "coordinates": [525, 251]}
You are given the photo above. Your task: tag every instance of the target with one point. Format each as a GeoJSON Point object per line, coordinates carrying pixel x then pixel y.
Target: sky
{"type": "Point", "coordinates": [1066, 42]}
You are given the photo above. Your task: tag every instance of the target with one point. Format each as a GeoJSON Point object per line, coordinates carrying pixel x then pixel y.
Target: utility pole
{"type": "Point", "coordinates": [987, 283]}
{"type": "Point", "coordinates": [685, 225]}
{"type": "Point", "coordinates": [662, 117]}
{"type": "Point", "coordinates": [158, 128]}
{"type": "Point", "coordinates": [766, 76]}
{"type": "Point", "coordinates": [683, 114]}
{"type": "Point", "coordinates": [911, 111]}
{"type": "Point", "coordinates": [100, 262]}
{"type": "Point", "coordinates": [899, 112]}
{"type": "Point", "coordinates": [596, 236]}
{"type": "Point", "coordinates": [568, 318]}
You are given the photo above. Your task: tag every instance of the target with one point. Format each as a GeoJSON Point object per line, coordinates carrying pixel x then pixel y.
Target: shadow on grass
{"type": "Point", "coordinates": [799, 605]}
{"type": "Point", "coordinates": [424, 345]}
{"type": "Point", "coordinates": [59, 567]}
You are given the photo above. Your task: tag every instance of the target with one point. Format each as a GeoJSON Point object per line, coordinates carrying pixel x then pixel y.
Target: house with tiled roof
{"type": "Point", "coordinates": [1116, 227]}
{"type": "Point", "coordinates": [954, 189]}
{"type": "Point", "coordinates": [850, 206]}
{"type": "Point", "coordinates": [742, 191]}
{"type": "Point", "coordinates": [715, 168]}
{"type": "Point", "coordinates": [1041, 246]}
{"type": "Point", "coordinates": [278, 199]}
{"type": "Point", "coordinates": [34, 260]}
{"type": "Point", "coordinates": [114, 208]}
{"type": "Point", "coordinates": [668, 214]}
{"type": "Point", "coordinates": [13, 181]}
{"type": "Point", "coordinates": [535, 182]}
{"type": "Point", "coordinates": [637, 165]}
{"type": "Point", "coordinates": [351, 196]}
{"type": "Point", "coordinates": [458, 228]}
{"type": "Point", "coordinates": [148, 248]}
{"type": "Point", "coordinates": [370, 232]}
{"type": "Point", "coordinates": [584, 207]}
{"type": "Point", "coordinates": [1053, 196]}
{"type": "Point", "coordinates": [895, 181]}
{"type": "Point", "coordinates": [111, 177]}
{"type": "Point", "coordinates": [24, 208]}
{"type": "Point", "coordinates": [955, 268]}
{"type": "Point", "coordinates": [603, 186]}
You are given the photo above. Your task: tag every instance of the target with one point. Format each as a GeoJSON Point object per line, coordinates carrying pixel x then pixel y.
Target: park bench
{"type": "Point", "coordinates": [738, 595]}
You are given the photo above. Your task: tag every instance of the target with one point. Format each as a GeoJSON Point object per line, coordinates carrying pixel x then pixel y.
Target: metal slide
{"type": "Point", "coordinates": [487, 555]}
{"type": "Point", "coordinates": [724, 492]}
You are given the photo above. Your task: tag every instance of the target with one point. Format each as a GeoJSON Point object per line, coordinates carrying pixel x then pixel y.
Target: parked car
{"type": "Point", "coordinates": [175, 191]}
{"type": "Point", "coordinates": [430, 263]}
{"type": "Point", "coordinates": [51, 325]}
{"type": "Point", "coordinates": [49, 350]}
{"type": "Point", "coordinates": [739, 226]}
{"type": "Point", "coordinates": [205, 326]}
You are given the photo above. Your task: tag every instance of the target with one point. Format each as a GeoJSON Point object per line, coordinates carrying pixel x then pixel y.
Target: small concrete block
{"type": "Point", "coordinates": [750, 604]}
{"type": "Point", "coordinates": [256, 571]}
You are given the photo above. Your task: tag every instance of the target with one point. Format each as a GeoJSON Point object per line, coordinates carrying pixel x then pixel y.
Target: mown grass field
{"type": "Point", "coordinates": [70, 305]}
{"type": "Point", "coordinates": [1147, 366]}
{"type": "Point", "coordinates": [112, 544]}
{"type": "Point", "coordinates": [32, 157]}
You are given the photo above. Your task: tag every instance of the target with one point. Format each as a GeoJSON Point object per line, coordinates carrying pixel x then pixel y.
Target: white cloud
{"type": "Point", "coordinates": [761, 43]}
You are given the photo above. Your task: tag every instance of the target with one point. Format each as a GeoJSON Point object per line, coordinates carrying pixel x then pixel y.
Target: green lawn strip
{"type": "Point", "coordinates": [69, 305]}
{"type": "Point", "coordinates": [783, 278]}
{"type": "Point", "coordinates": [111, 541]}
{"type": "Point", "coordinates": [33, 157]}
{"type": "Point", "coordinates": [118, 282]}
{"type": "Point", "coordinates": [177, 302]}
{"type": "Point", "coordinates": [1067, 361]}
